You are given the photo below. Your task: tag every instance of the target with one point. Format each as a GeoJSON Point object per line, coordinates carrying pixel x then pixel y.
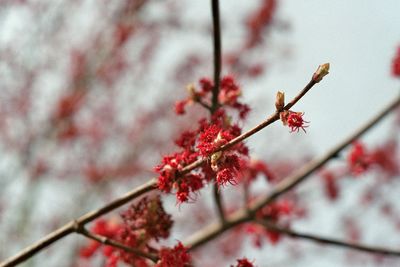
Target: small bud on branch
{"type": "Point", "coordinates": [322, 71]}
{"type": "Point", "coordinates": [280, 101]}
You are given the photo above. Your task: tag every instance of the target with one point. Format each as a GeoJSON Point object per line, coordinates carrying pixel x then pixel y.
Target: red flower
{"type": "Point", "coordinates": [359, 161]}
{"type": "Point", "coordinates": [175, 257]}
{"type": "Point", "coordinates": [149, 217]}
{"type": "Point", "coordinates": [331, 186]}
{"type": "Point", "coordinates": [243, 263]}
{"type": "Point", "coordinates": [227, 169]}
{"type": "Point", "coordinates": [206, 85]}
{"type": "Point", "coordinates": [294, 120]}
{"type": "Point", "coordinates": [180, 107]}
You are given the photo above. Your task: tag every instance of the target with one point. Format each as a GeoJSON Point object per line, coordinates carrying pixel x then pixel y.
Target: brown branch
{"type": "Point", "coordinates": [107, 241]}
{"type": "Point", "coordinates": [217, 53]}
{"type": "Point", "coordinates": [218, 203]}
{"type": "Point", "coordinates": [215, 92]}
{"type": "Point", "coordinates": [149, 186]}
{"type": "Point", "coordinates": [329, 241]}
{"type": "Point", "coordinates": [242, 215]}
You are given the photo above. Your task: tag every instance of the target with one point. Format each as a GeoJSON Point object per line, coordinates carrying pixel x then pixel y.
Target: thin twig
{"type": "Point", "coordinates": [242, 215]}
{"type": "Point", "coordinates": [330, 241]}
{"type": "Point", "coordinates": [218, 203]}
{"type": "Point", "coordinates": [271, 119]}
{"type": "Point", "coordinates": [215, 92]}
{"type": "Point", "coordinates": [108, 241]}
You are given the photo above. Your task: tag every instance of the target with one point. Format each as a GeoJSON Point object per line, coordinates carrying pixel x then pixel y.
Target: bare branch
{"type": "Point", "coordinates": [329, 241]}
{"type": "Point", "coordinates": [217, 53]}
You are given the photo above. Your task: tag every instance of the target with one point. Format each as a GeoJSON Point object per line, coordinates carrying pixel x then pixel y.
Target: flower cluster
{"type": "Point", "coordinates": [175, 257]}
{"type": "Point", "coordinates": [229, 94]}
{"type": "Point", "coordinates": [141, 223]}
{"type": "Point", "coordinates": [384, 157]}
{"type": "Point", "coordinates": [204, 142]}
{"type": "Point", "coordinates": [358, 159]}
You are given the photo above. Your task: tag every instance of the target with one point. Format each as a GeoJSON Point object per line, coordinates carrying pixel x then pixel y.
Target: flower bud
{"type": "Point", "coordinates": [280, 100]}
{"type": "Point", "coordinates": [321, 72]}
{"type": "Point", "coordinates": [192, 92]}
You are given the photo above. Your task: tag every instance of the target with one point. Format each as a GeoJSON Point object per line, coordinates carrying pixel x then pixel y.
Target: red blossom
{"type": "Point", "coordinates": [330, 185]}
{"type": "Point", "coordinates": [175, 257]}
{"type": "Point", "coordinates": [294, 120]}
{"type": "Point", "coordinates": [169, 167]}
{"type": "Point", "coordinates": [212, 138]}
{"type": "Point", "coordinates": [228, 169]}
{"type": "Point", "coordinates": [149, 216]}
{"type": "Point", "coordinates": [101, 227]}
{"type": "Point", "coordinates": [386, 157]}
{"type": "Point", "coordinates": [180, 107]}
{"type": "Point", "coordinates": [142, 222]}
{"type": "Point", "coordinates": [206, 85]}
{"type": "Point", "coordinates": [187, 140]}
{"type": "Point", "coordinates": [244, 262]}
{"type": "Point", "coordinates": [259, 20]}
{"type": "Point", "coordinates": [358, 159]}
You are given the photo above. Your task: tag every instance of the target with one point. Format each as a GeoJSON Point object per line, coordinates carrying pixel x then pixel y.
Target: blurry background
{"type": "Point", "coordinates": [87, 90]}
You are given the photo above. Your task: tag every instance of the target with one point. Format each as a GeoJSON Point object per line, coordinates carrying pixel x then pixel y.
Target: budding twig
{"type": "Point", "coordinates": [243, 215]}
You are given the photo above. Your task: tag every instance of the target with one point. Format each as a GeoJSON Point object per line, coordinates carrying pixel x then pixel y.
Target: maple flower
{"type": "Point", "coordinates": [180, 107]}
{"type": "Point", "coordinates": [212, 138]}
{"type": "Point", "coordinates": [358, 159]}
{"type": "Point", "coordinates": [175, 257]}
{"type": "Point", "coordinates": [149, 216]}
{"type": "Point", "coordinates": [244, 262]}
{"type": "Point", "coordinates": [294, 120]}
